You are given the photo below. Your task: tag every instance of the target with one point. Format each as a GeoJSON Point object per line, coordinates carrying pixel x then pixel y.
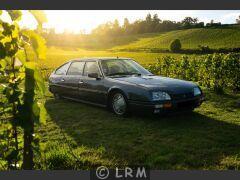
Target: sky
{"type": "Point", "coordinates": [86, 20]}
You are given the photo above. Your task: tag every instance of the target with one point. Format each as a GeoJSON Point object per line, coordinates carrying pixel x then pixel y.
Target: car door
{"type": "Point", "coordinates": [93, 88]}
{"type": "Point", "coordinates": [58, 79]}
{"type": "Point", "coordinates": [73, 79]}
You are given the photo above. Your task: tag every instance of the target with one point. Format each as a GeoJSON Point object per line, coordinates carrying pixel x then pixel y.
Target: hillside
{"type": "Point", "coordinates": [112, 47]}
{"type": "Point", "coordinates": [215, 38]}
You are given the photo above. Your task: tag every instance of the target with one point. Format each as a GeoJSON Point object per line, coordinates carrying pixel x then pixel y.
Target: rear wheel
{"type": "Point", "coordinates": [57, 96]}
{"type": "Point", "coordinates": [118, 104]}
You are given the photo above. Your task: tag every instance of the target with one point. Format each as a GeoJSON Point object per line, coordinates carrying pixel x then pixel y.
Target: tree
{"type": "Point", "coordinates": [175, 45]}
{"type": "Point", "coordinates": [155, 23]}
{"type": "Point", "coordinates": [126, 24]}
{"type": "Point", "coordinates": [148, 18]}
{"type": "Point", "coordinates": [116, 24]}
{"type": "Point", "coordinates": [155, 19]}
{"type": "Point", "coordinates": [195, 20]}
{"type": "Point", "coordinates": [188, 21]}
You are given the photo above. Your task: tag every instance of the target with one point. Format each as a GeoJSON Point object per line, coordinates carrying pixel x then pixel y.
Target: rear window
{"type": "Point", "coordinates": [62, 70]}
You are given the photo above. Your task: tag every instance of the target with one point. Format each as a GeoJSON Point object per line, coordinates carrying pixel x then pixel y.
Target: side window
{"type": "Point", "coordinates": [62, 70]}
{"type": "Point", "coordinates": [91, 67]}
{"type": "Point", "coordinates": [76, 68]}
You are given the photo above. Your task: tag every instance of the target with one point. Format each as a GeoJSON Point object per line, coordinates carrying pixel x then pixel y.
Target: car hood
{"type": "Point", "coordinates": [159, 83]}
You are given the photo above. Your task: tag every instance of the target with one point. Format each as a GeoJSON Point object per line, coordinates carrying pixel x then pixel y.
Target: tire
{"type": "Point", "coordinates": [118, 104]}
{"type": "Point", "coordinates": [57, 96]}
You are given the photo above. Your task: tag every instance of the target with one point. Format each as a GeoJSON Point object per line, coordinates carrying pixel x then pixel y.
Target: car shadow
{"type": "Point", "coordinates": [178, 141]}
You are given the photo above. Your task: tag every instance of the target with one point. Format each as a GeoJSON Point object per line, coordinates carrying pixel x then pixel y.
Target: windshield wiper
{"type": "Point", "coordinates": [117, 74]}
{"type": "Point", "coordinates": [124, 74]}
{"type": "Point", "coordinates": [139, 74]}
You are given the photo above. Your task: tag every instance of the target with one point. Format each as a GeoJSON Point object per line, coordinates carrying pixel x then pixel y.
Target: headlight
{"type": "Point", "coordinates": [196, 91]}
{"type": "Point", "coordinates": [157, 96]}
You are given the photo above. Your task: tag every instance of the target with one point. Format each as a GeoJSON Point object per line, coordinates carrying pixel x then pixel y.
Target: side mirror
{"type": "Point", "coordinates": [93, 75]}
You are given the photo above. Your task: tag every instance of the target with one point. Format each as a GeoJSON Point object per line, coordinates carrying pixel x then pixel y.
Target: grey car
{"type": "Point", "coordinates": [122, 85]}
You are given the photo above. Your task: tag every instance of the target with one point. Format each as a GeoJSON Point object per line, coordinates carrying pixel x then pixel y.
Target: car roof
{"type": "Point", "coordinates": [98, 58]}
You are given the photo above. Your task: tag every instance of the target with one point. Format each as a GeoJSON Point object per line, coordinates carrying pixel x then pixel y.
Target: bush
{"type": "Point", "coordinates": [175, 45]}
{"type": "Point", "coordinates": [233, 70]}
{"type": "Point", "coordinates": [218, 74]}
{"type": "Point", "coordinates": [215, 71]}
{"type": "Point", "coordinates": [204, 49]}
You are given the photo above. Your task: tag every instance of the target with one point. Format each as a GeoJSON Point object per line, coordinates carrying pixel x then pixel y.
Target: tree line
{"type": "Point", "coordinates": [151, 24]}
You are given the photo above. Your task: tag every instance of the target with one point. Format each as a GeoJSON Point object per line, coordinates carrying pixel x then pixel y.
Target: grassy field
{"type": "Point", "coordinates": [82, 136]}
{"type": "Point", "coordinates": [215, 38]}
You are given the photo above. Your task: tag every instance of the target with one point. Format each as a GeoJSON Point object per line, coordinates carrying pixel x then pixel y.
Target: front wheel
{"type": "Point", "coordinates": [118, 104]}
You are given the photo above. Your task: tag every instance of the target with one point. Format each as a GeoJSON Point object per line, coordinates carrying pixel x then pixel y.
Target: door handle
{"type": "Point", "coordinates": [62, 80]}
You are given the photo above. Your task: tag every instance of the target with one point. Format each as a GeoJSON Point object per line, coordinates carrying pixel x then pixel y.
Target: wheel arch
{"type": "Point", "coordinates": [115, 89]}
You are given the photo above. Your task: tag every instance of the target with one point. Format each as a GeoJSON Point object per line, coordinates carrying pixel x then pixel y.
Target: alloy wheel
{"type": "Point", "coordinates": [119, 104]}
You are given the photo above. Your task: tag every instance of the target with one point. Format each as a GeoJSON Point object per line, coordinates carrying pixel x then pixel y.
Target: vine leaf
{"type": "Point", "coordinates": [40, 16]}
{"type": "Point", "coordinates": [37, 76]}
{"type": "Point", "coordinates": [15, 15]}
{"type": "Point", "coordinates": [39, 112]}
{"type": "Point", "coordinates": [37, 42]}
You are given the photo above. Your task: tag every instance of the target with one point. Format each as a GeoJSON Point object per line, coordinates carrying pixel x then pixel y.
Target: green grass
{"type": "Point", "coordinates": [215, 38]}
{"type": "Point", "coordinates": [208, 138]}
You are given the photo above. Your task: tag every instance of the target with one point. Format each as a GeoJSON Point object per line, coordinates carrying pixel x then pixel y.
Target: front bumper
{"type": "Point", "coordinates": [166, 106]}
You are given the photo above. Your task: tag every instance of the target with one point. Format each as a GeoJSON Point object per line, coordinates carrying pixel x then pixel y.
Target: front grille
{"type": "Point", "coordinates": [182, 96]}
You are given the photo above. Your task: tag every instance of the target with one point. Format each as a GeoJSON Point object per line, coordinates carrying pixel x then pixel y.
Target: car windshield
{"type": "Point", "coordinates": [122, 67]}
